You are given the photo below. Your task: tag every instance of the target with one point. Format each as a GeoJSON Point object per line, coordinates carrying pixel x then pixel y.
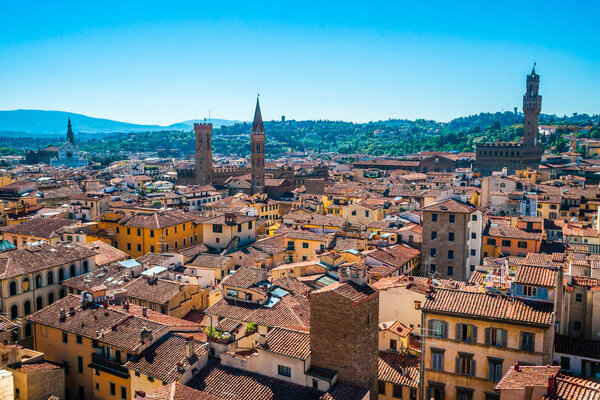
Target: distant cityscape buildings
{"type": "Point", "coordinates": [68, 154]}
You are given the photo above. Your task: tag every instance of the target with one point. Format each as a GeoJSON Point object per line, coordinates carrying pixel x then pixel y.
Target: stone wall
{"type": "Point", "coordinates": [344, 337]}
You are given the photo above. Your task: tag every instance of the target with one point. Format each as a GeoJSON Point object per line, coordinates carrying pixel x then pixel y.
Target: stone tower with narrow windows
{"type": "Point", "coordinates": [204, 170]}
{"type": "Point", "coordinates": [526, 153]}
{"type": "Point", "coordinates": [532, 105]}
{"type": "Point", "coordinates": [257, 142]}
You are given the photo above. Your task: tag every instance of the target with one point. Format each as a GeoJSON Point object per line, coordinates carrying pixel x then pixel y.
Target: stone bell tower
{"type": "Point", "coordinates": [70, 135]}
{"type": "Point", "coordinates": [257, 142]}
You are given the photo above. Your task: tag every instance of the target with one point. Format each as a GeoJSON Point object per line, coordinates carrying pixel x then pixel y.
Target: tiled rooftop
{"type": "Point", "coordinates": [489, 306]}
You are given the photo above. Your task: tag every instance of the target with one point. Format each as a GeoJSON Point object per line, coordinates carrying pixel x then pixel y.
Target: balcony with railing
{"type": "Point", "coordinates": [105, 364]}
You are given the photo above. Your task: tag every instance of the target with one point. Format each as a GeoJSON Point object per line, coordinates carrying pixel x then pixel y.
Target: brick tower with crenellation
{"type": "Point", "coordinates": [204, 171]}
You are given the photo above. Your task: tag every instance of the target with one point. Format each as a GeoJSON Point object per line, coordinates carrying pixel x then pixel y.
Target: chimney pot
{"type": "Point", "coordinates": [191, 347]}
{"type": "Point", "coordinates": [144, 311]}
{"type": "Point", "coordinates": [551, 386]}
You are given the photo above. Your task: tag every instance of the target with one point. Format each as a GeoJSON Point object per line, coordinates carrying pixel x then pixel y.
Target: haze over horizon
{"type": "Point", "coordinates": [146, 63]}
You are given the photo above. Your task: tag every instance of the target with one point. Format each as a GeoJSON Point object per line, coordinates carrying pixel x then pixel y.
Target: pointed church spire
{"type": "Point", "coordinates": [70, 136]}
{"type": "Point", "coordinates": [257, 125]}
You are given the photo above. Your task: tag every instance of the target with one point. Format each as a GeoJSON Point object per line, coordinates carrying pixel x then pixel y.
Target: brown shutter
{"type": "Point", "coordinates": [444, 329]}
{"type": "Point", "coordinates": [457, 365]}
{"type": "Point", "coordinates": [473, 368]}
{"type": "Point", "coordinates": [474, 334]}
{"type": "Point", "coordinates": [504, 338]}
{"type": "Point", "coordinates": [458, 331]}
{"type": "Point", "coordinates": [488, 336]}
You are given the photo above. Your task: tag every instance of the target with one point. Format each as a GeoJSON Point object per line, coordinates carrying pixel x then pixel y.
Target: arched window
{"type": "Point", "coordinates": [85, 267]}
{"type": "Point", "coordinates": [72, 271]}
{"type": "Point", "coordinates": [27, 307]}
{"type": "Point", "coordinates": [38, 281]}
{"type": "Point", "coordinates": [28, 330]}
{"type": "Point", "coordinates": [39, 303]}
{"type": "Point", "coordinates": [61, 275]}
{"type": "Point", "coordinates": [50, 278]}
{"type": "Point", "coordinates": [12, 288]}
{"type": "Point", "coordinates": [14, 311]}
{"type": "Point", "coordinates": [61, 293]}
{"type": "Point", "coordinates": [26, 284]}
{"type": "Point", "coordinates": [50, 298]}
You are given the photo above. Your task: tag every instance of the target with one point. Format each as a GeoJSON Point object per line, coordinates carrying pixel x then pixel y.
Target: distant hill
{"type": "Point", "coordinates": [51, 123]}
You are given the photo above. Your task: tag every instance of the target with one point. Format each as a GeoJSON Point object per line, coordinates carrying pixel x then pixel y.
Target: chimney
{"type": "Point", "coordinates": [140, 395]}
{"type": "Point", "coordinates": [551, 385]}
{"type": "Point", "coordinates": [146, 335]}
{"type": "Point", "coordinates": [190, 349]}
{"type": "Point", "coordinates": [517, 367]}
{"type": "Point", "coordinates": [144, 312]}
{"type": "Point", "coordinates": [262, 339]}
{"type": "Point", "coordinates": [62, 314]}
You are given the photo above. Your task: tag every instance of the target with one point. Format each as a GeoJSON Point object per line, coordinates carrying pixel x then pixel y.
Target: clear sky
{"type": "Point", "coordinates": [165, 62]}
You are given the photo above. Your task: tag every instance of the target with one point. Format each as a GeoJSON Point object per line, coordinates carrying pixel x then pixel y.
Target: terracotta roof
{"type": "Point", "coordinates": [316, 219]}
{"type": "Point", "coordinates": [509, 231]}
{"type": "Point", "coordinates": [156, 316]}
{"type": "Point", "coordinates": [527, 376]}
{"type": "Point", "coordinates": [290, 312]}
{"type": "Point", "coordinates": [584, 281]}
{"type": "Point", "coordinates": [37, 367]}
{"type": "Point", "coordinates": [399, 369]}
{"type": "Point", "coordinates": [246, 277]}
{"type": "Point", "coordinates": [157, 220]}
{"type": "Point", "coordinates": [193, 251]}
{"type": "Point", "coordinates": [417, 283]}
{"type": "Point", "coordinates": [308, 235]}
{"type": "Point", "coordinates": [112, 276]}
{"type": "Point", "coordinates": [177, 391]}
{"type": "Point", "coordinates": [107, 254]}
{"type": "Point", "coordinates": [160, 360]}
{"type": "Point", "coordinates": [31, 259]}
{"type": "Point", "coordinates": [270, 245]}
{"type": "Point", "coordinates": [230, 383]}
{"type": "Point", "coordinates": [349, 290]}
{"type": "Point", "coordinates": [569, 387]}
{"type": "Point", "coordinates": [287, 342]}
{"type": "Point", "coordinates": [209, 260]}
{"type": "Point", "coordinates": [488, 306]}
{"type": "Point", "coordinates": [540, 276]}
{"type": "Point", "coordinates": [108, 326]}
{"type": "Point", "coordinates": [477, 277]}
{"type": "Point", "coordinates": [158, 291]}
{"type": "Point", "coordinates": [396, 327]}
{"type": "Point", "coordinates": [292, 284]}
{"type": "Point", "coordinates": [39, 227]}
{"type": "Point", "coordinates": [397, 255]}
{"type": "Point", "coordinates": [450, 205]}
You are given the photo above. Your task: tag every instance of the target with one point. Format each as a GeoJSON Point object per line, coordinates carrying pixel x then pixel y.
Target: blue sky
{"type": "Point", "coordinates": [164, 62]}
